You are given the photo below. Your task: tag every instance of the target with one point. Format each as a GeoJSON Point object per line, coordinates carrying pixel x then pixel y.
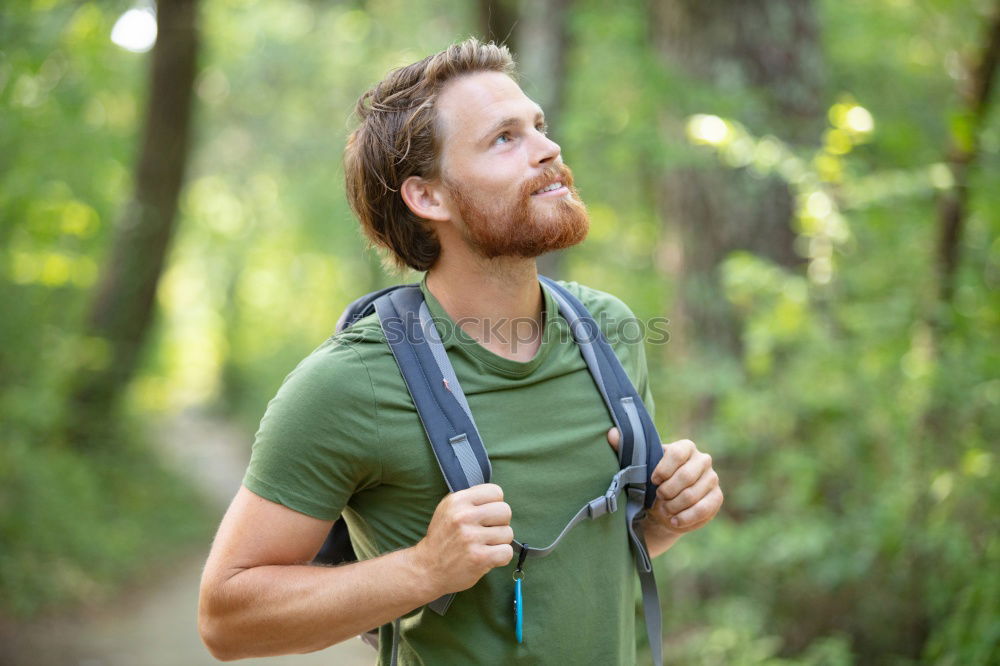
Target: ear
{"type": "Point", "coordinates": [425, 198]}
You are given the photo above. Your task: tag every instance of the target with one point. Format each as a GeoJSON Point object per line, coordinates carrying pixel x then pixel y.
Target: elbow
{"type": "Point", "coordinates": [214, 635]}
{"type": "Point", "coordinates": [215, 632]}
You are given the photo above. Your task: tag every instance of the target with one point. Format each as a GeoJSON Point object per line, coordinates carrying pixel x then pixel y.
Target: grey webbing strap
{"type": "Point", "coordinates": [595, 508]}
{"type": "Point", "coordinates": [651, 610]}
{"type": "Point", "coordinates": [467, 459]}
{"type": "Point", "coordinates": [634, 512]}
{"type": "Point", "coordinates": [638, 434]}
{"type": "Point", "coordinates": [395, 642]}
{"type": "Point", "coordinates": [462, 446]}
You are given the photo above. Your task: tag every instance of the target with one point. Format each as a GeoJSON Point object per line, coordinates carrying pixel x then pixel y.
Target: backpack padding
{"type": "Point", "coordinates": [337, 548]}
{"type": "Point", "coordinates": [364, 306]}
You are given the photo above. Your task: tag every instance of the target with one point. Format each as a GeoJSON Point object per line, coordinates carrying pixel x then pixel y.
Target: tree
{"type": "Point", "coordinates": [121, 307]}
{"type": "Point", "coordinates": [766, 54]}
{"type": "Point", "coordinates": [538, 35]}
{"type": "Point", "coordinates": [963, 153]}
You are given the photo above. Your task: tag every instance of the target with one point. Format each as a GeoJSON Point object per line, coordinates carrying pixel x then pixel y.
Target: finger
{"type": "Point", "coordinates": [482, 493]}
{"type": "Point", "coordinates": [493, 514]}
{"type": "Point", "coordinates": [500, 555]}
{"type": "Point", "coordinates": [691, 495]}
{"type": "Point", "coordinates": [675, 454]}
{"type": "Point", "coordinates": [496, 536]}
{"type": "Point", "coordinates": [685, 476]}
{"type": "Point", "coordinates": [700, 512]}
{"type": "Point", "coordinates": [614, 437]}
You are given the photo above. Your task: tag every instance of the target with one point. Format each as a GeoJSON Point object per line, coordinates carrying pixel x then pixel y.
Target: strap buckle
{"type": "Point", "coordinates": [611, 496]}
{"type": "Point", "coordinates": [611, 501]}
{"type": "Point", "coordinates": [607, 503]}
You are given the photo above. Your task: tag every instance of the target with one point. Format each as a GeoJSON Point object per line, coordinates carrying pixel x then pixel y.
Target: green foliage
{"type": "Point", "coordinates": [856, 444]}
{"type": "Point", "coordinates": [76, 527]}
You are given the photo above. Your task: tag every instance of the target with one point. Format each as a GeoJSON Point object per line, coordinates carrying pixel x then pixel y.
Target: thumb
{"type": "Point", "coordinates": [613, 438]}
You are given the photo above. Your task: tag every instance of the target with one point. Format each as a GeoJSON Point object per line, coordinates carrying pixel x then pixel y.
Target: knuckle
{"type": "Point", "coordinates": [685, 497]}
{"type": "Point", "coordinates": [466, 533]}
{"type": "Point", "coordinates": [479, 558]}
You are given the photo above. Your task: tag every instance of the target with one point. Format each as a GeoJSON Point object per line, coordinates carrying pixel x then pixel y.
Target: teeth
{"type": "Point", "coordinates": [549, 188]}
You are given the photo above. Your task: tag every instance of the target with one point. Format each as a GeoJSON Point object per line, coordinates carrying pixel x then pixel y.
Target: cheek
{"type": "Point", "coordinates": [497, 178]}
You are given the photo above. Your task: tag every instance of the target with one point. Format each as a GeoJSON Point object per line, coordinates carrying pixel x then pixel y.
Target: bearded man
{"type": "Point", "coordinates": [450, 172]}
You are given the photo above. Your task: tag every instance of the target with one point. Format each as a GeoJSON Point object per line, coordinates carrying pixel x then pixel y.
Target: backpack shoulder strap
{"type": "Point", "coordinates": [429, 376]}
{"type": "Point", "coordinates": [364, 306]}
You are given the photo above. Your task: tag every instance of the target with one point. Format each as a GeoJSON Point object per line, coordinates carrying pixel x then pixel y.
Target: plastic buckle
{"type": "Point", "coordinates": [611, 501]}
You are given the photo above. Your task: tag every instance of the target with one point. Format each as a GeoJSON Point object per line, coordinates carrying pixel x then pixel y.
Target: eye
{"type": "Point", "coordinates": [543, 128]}
{"type": "Point", "coordinates": [502, 138]}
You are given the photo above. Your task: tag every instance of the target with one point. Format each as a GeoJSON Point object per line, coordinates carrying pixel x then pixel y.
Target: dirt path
{"type": "Point", "coordinates": [155, 624]}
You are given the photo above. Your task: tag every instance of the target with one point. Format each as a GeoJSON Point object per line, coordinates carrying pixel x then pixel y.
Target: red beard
{"type": "Point", "coordinates": [504, 228]}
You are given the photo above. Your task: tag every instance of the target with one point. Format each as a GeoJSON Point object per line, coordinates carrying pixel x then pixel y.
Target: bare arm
{"type": "Point", "coordinates": [260, 596]}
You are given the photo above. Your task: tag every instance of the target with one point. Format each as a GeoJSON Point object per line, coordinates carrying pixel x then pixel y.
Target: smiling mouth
{"type": "Point", "coordinates": [549, 188]}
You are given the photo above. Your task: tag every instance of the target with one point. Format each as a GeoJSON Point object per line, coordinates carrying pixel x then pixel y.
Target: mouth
{"type": "Point", "coordinates": [552, 189]}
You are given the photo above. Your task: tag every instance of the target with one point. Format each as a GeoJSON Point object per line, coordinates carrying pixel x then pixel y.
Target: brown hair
{"type": "Point", "coordinates": [397, 138]}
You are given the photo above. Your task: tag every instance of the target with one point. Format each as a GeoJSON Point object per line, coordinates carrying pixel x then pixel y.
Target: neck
{"type": "Point", "coordinates": [497, 302]}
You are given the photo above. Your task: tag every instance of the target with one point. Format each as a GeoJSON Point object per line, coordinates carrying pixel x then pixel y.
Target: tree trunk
{"type": "Point", "coordinates": [537, 33]}
{"type": "Point", "coordinates": [121, 308]}
{"type": "Point", "coordinates": [962, 154]}
{"type": "Point", "coordinates": [543, 40]}
{"type": "Point", "coordinates": [768, 53]}
{"type": "Point", "coordinates": [497, 19]}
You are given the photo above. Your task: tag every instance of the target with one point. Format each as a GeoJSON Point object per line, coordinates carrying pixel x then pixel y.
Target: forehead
{"type": "Point", "coordinates": [471, 104]}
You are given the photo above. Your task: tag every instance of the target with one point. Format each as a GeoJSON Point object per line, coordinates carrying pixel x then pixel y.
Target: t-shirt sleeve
{"type": "Point", "coordinates": [318, 441]}
{"type": "Point", "coordinates": [624, 332]}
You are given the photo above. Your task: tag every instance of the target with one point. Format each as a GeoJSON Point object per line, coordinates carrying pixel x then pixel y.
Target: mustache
{"type": "Point", "coordinates": [559, 172]}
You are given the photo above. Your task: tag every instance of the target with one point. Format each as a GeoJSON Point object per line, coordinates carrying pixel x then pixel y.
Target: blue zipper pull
{"type": "Point", "coordinates": [518, 599]}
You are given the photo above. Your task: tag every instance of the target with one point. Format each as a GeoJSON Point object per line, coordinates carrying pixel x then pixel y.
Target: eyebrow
{"type": "Point", "coordinates": [508, 123]}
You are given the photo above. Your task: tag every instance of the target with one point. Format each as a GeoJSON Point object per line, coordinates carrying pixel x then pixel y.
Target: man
{"type": "Point", "coordinates": [451, 172]}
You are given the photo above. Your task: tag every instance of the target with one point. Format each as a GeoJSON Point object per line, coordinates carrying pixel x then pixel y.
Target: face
{"type": "Point", "coordinates": [509, 191]}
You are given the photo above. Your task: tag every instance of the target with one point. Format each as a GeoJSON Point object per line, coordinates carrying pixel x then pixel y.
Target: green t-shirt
{"type": "Point", "coordinates": [342, 437]}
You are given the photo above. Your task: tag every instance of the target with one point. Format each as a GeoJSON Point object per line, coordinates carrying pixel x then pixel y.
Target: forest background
{"type": "Point", "coordinates": [809, 190]}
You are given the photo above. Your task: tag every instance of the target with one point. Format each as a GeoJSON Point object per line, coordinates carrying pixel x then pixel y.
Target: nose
{"type": "Point", "coordinates": [546, 151]}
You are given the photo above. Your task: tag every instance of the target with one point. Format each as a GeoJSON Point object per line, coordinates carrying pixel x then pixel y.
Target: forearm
{"type": "Point", "coordinates": [270, 610]}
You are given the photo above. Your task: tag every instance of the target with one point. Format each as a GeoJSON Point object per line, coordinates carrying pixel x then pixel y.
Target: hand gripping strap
{"type": "Point", "coordinates": [449, 426]}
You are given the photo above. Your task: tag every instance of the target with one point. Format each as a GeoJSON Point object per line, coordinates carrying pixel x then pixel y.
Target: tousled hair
{"type": "Point", "coordinates": [397, 138]}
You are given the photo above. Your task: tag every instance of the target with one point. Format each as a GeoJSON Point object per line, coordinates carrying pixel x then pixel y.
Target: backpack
{"type": "Point", "coordinates": [464, 461]}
